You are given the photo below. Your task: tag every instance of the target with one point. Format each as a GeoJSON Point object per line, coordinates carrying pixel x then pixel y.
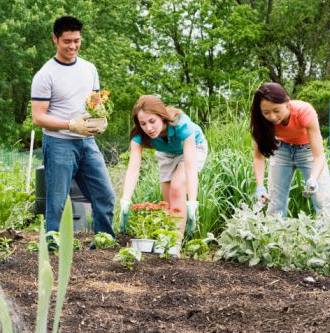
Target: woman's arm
{"type": "Point", "coordinates": [190, 165]}
{"type": "Point", "coordinates": [315, 140]}
{"type": "Point", "coordinates": [258, 165]}
{"type": "Point", "coordinates": [133, 170]}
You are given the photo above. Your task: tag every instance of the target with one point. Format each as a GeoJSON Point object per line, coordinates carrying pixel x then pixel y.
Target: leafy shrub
{"type": "Point", "coordinates": [292, 243]}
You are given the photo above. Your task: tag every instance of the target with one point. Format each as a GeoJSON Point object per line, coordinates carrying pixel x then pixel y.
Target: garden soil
{"type": "Point", "coordinates": [176, 295]}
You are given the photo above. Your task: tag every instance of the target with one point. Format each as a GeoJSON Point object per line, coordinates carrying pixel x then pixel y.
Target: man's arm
{"type": "Point", "coordinates": [42, 119]}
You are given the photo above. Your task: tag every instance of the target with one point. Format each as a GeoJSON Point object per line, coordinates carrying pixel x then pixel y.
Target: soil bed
{"type": "Point", "coordinates": [170, 295]}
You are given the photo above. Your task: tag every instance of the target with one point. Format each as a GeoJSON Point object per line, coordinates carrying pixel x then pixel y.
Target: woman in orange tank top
{"type": "Point", "coordinates": [287, 131]}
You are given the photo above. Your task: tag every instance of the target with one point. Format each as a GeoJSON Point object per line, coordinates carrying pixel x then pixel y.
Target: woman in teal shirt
{"type": "Point", "coordinates": [181, 150]}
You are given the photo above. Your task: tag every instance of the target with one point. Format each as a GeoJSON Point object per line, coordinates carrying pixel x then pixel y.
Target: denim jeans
{"type": "Point", "coordinates": [282, 165]}
{"type": "Point", "coordinates": [81, 159]}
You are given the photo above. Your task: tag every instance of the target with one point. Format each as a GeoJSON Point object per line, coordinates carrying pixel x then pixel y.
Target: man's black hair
{"type": "Point", "coordinates": [66, 23]}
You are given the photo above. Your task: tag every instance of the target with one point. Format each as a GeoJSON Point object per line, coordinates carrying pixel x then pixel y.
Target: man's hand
{"type": "Point", "coordinates": [124, 208]}
{"type": "Point", "coordinates": [310, 188]}
{"type": "Point", "coordinates": [261, 194]}
{"type": "Point", "coordinates": [80, 126]}
{"type": "Point", "coordinates": [192, 216]}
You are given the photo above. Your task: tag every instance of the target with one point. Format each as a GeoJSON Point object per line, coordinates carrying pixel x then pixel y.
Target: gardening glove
{"type": "Point", "coordinates": [192, 216]}
{"type": "Point", "coordinates": [310, 188]}
{"type": "Point", "coordinates": [261, 194]}
{"type": "Point", "coordinates": [79, 125]}
{"type": "Point", "coordinates": [124, 208]}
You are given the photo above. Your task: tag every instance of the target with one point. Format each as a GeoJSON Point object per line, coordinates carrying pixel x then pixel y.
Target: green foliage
{"type": "Point", "coordinates": [32, 246]}
{"type": "Point", "coordinates": [128, 257]}
{"type": "Point", "coordinates": [293, 243]}
{"type": "Point", "coordinates": [5, 249]}
{"type": "Point", "coordinates": [45, 276]}
{"type": "Point", "coordinates": [104, 240]}
{"type": "Point", "coordinates": [318, 94]}
{"type": "Point", "coordinates": [16, 205]}
{"type": "Point", "coordinates": [165, 239]}
{"type": "Point", "coordinates": [6, 324]}
{"type": "Point", "coordinates": [197, 249]}
{"type": "Point", "coordinates": [145, 223]}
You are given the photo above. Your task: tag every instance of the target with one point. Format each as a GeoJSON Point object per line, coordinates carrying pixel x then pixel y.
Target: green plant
{"type": "Point", "coordinates": [197, 249]}
{"type": "Point", "coordinates": [46, 277]}
{"type": "Point", "coordinates": [32, 246]}
{"type": "Point", "coordinates": [5, 249]}
{"type": "Point", "coordinates": [128, 257]}
{"type": "Point", "coordinates": [104, 240]}
{"type": "Point", "coordinates": [146, 218]}
{"type": "Point", "coordinates": [165, 239]}
{"type": "Point", "coordinates": [292, 243]}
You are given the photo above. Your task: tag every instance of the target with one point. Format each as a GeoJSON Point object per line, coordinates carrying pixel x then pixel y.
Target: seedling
{"type": "Point", "coordinates": [128, 257]}
{"type": "Point", "coordinates": [165, 239]}
{"type": "Point", "coordinates": [104, 240]}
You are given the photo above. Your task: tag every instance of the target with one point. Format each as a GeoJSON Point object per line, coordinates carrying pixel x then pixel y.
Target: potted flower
{"type": "Point", "coordinates": [145, 219]}
{"type": "Point", "coordinates": [99, 106]}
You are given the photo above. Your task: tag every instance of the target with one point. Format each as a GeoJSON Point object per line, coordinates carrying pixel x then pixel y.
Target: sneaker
{"type": "Point", "coordinates": [51, 244]}
{"type": "Point", "coordinates": [92, 246]}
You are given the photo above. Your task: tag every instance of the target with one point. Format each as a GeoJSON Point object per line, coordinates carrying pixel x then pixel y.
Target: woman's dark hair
{"type": "Point", "coordinates": [262, 130]}
{"type": "Point", "coordinates": [66, 23]}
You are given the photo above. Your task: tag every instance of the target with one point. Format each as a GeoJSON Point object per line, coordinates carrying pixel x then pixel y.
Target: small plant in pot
{"type": "Point", "coordinates": [99, 107]}
{"type": "Point", "coordinates": [165, 240]}
{"type": "Point", "coordinates": [145, 219]}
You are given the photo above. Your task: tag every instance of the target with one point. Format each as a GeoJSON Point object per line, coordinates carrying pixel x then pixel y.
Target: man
{"type": "Point", "coordinates": [59, 93]}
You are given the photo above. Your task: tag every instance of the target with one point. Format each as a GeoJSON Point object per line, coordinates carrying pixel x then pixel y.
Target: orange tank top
{"type": "Point", "coordinates": [295, 132]}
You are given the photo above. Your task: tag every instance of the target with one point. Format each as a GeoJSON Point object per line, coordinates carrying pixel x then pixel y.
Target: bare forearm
{"type": "Point", "coordinates": [192, 181]}
{"type": "Point", "coordinates": [131, 178]}
{"type": "Point", "coordinates": [317, 167]}
{"type": "Point", "coordinates": [259, 170]}
{"type": "Point", "coordinates": [50, 122]}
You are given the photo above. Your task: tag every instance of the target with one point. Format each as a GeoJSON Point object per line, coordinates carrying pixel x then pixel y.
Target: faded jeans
{"type": "Point", "coordinates": [282, 165]}
{"type": "Point", "coordinates": [81, 159]}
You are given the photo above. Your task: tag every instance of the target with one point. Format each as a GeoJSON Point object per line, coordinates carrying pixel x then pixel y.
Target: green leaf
{"type": "Point", "coordinates": [65, 260]}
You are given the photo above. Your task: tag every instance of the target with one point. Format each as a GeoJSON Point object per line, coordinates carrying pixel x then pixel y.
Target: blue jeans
{"type": "Point", "coordinates": [81, 159]}
{"type": "Point", "coordinates": [282, 165]}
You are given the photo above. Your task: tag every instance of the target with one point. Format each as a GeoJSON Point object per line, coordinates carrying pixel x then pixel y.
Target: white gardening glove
{"type": "Point", "coordinates": [79, 125]}
{"type": "Point", "coordinates": [311, 187]}
{"type": "Point", "coordinates": [192, 207]}
{"type": "Point", "coordinates": [124, 208]}
{"type": "Point", "coordinates": [261, 194]}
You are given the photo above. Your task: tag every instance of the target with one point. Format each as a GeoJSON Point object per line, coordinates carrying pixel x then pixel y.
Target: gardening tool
{"type": "Point", "coordinates": [191, 216]}
{"type": "Point", "coordinates": [28, 174]}
{"type": "Point", "coordinates": [124, 208]}
{"type": "Point", "coordinates": [310, 188]}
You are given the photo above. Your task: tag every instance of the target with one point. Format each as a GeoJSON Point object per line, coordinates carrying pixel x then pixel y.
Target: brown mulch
{"type": "Point", "coordinates": [176, 295]}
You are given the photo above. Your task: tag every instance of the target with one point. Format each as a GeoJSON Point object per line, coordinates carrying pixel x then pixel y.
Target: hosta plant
{"type": "Point", "coordinates": [128, 257]}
